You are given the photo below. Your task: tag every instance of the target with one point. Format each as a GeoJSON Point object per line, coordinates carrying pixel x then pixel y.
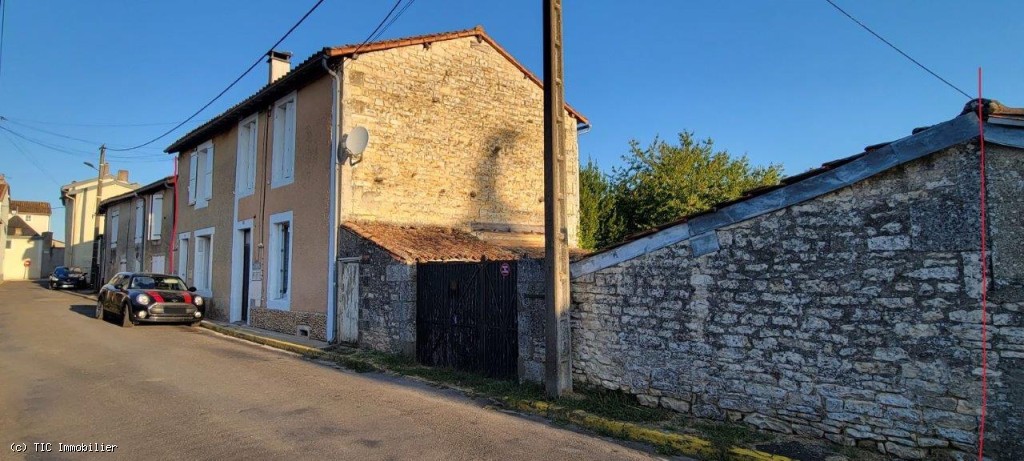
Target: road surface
{"type": "Point", "coordinates": [174, 392]}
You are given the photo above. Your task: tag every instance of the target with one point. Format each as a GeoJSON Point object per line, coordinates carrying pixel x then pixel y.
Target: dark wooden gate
{"type": "Point", "coordinates": [466, 317]}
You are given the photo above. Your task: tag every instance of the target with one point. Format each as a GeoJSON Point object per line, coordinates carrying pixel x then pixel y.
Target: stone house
{"type": "Point", "coordinates": [28, 248]}
{"type": "Point", "coordinates": [270, 191]}
{"type": "Point", "coordinates": [139, 226]}
{"type": "Point", "coordinates": [843, 303]}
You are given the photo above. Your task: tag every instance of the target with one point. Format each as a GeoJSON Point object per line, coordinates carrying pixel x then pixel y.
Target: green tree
{"type": "Point", "coordinates": [596, 205]}
{"type": "Point", "coordinates": [664, 182]}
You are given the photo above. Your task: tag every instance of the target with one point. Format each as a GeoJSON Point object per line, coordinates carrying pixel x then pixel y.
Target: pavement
{"type": "Point", "coordinates": [176, 392]}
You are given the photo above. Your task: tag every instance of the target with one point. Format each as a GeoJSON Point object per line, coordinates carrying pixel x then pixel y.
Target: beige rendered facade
{"type": "Point", "coordinates": [138, 230]}
{"type": "Point", "coordinates": [79, 199]}
{"type": "Point", "coordinates": [456, 140]}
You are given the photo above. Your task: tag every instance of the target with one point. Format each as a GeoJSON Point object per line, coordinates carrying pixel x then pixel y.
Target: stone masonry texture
{"type": "Point", "coordinates": [853, 317]}
{"type": "Point", "coordinates": [456, 139]}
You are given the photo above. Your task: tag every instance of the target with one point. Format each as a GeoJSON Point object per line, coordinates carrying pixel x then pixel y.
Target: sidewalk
{"type": "Point", "coordinates": [665, 442]}
{"type": "Point", "coordinates": [274, 339]}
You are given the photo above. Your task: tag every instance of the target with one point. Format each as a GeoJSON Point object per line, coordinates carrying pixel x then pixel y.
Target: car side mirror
{"type": "Point", "coordinates": [192, 289]}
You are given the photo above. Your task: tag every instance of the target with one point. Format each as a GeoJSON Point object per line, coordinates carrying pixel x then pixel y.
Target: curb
{"type": "Point", "coordinates": [684, 444]}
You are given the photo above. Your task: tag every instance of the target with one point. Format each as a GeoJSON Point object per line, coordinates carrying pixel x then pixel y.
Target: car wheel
{"type": "Point", "coordinates": [52, 286]}
{"type": "Point", "coordinates": [126, 317]}
{"type": "Point", "coordinates": [99, 310]}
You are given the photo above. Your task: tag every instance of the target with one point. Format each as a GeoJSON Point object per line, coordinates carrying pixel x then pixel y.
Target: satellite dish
{"type": "Point", "coordinates": [357, 140]}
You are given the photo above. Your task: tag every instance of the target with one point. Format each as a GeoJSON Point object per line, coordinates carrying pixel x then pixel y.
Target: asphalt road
{"type": "Point", "coordinates": [175, 392]}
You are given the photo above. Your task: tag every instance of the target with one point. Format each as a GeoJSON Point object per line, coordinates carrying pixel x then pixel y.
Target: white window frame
{"type": "Point", "coordinates": [275, 300]}
{"type": "Point", "coordinates": [248, 144]}
{"type": "Point", "coordinates": [156, 216]}
{"type": "Point", "coordinates": [200, 181]}
{"type": "Point", "coordinates": [140, 219]}
{"type": "Point", "coordinates": [115, 222]}
{"type": "Point", "coordinates": [283, 157]}
{"type": "Point", "coordinates": [183, 258]}
{"type": "Point", "coordinates": [204, 285]}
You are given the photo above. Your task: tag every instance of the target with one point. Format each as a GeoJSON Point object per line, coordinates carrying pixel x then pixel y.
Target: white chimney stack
{"type": "Point", "coordinates": [280, 64]}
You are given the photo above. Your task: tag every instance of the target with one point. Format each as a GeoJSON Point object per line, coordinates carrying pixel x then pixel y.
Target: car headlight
{"type": "Point", "coordinates": [199, 300]}
{"type": "Point", "coordinates": [143, 299]}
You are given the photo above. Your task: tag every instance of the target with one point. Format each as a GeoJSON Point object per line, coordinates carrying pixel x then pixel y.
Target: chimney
{"type": "Point", "coordinates": [280, 64]}
{"type": "Point", "coordinates": [122, 175]}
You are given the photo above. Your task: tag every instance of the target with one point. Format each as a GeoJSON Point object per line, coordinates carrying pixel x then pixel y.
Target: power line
{"type": "Point", "coordinates": [31, 160]}
{"type": "Point", "coordinates": [53, 133]}
{"type": "Point", "coordinates": [93, 125]}
{"type": "Point", "coordinates": [225, 90]}
{"type": "Point", "coordinates": [905, 55]}
{"type": "Point", "coordinates": [77, 153]}
{"type": "Point", "coordinates": [3, 29]}
{"type": "Point", "coordinates": [379, 25]}
{"type": "Point", "coordinates": [400, 13]}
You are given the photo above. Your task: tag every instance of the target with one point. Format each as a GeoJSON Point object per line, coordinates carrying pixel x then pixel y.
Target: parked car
{"type": "Point", "coordinates": [67, 277]}
{"type": "Point", "coordinates": [148, 297]}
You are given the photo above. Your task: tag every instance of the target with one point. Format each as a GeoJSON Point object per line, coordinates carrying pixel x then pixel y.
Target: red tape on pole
{"type": "Point", "coordinates": [984, 281]}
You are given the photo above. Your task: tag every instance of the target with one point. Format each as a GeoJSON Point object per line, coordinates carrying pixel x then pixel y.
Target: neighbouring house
{"type": "Point", "coordinates": [276, 215]}
{"type": "Point", "coordinates": [844, 303]}
{"type": "Point", "coordinates": [139, 230]}
{"type": "Point", "coordinates": [29, 245]}
{"type": "Point", "coordinates": [5, 206]}
{"type": "Point", "coordinates": [79, 200]}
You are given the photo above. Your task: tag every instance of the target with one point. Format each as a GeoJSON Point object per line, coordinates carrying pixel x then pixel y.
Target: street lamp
{"type": "Point", "coordinates": [90, 165]}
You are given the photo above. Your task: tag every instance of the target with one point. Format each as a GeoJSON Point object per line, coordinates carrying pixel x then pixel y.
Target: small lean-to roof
{"type": "Point", "coordinates": [1003, 126]}
{"type": "Point", "coordinates": [160, 184]}
{"type": "Point", "coordinates": [17, 227]}
{"type": "Point", "coordinates": [312, 68]}
{"type": "Point", "coordinates": [428, 243]}
{"type": "Point", "coordinates": [27, 207]}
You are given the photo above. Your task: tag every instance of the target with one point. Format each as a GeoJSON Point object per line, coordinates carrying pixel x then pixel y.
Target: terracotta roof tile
{"type": "Point", "coordinates": [24, 206]}
{"type": "Point", "coordinates": [428, 243]}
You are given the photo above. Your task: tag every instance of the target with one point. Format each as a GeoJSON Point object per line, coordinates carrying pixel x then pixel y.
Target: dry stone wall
{"type": "Point", "coordinates": [852, 317]}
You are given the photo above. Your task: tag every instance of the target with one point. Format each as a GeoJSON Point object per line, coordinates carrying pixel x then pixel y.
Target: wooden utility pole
{"type": "Point", "coordinates": [94, 270]}
{"type": "Point", "coordinates": [557, 365]}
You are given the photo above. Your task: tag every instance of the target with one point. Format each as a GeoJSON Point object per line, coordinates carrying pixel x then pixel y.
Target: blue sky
{"type": "Point", "coordinates": [790, 82]}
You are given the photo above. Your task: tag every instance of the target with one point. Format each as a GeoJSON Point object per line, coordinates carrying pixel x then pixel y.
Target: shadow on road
{"type": "Point", "coordinates": [88, 310]}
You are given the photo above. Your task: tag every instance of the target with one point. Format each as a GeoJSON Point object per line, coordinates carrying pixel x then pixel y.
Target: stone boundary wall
{"type": "Point", "coordinates": [387, 292]}
{"type": "Point", "coordinates": [852, 317]}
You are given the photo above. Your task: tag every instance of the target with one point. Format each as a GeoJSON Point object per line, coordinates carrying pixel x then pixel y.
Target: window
{"type": "Point", "coordinates": [202, 269]}
{"type": "Point", "coordinates": [156, 216]}
{"type": "Point", "coordinates": [183, 255]}
{"type": "Point", "coordinates": [140, 223]}
{"type": "Point", "coordinates": [115, 218]}
{"type": "Point", "coordinates": [200, 175]}
{"type": "Point", "coordinates": [28, 217]}
{"type": "Point", "coordinates": [279, 258]}
{"type": "Point", "coordinates": [7, 244]}
{"type": "Point", "coordinates": [284, 142]}
{"type": "Point", "coordinates": [245, 174]}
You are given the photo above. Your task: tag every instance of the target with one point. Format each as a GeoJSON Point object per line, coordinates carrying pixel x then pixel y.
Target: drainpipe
{"type": "Point", "coordinates": [332, 218]}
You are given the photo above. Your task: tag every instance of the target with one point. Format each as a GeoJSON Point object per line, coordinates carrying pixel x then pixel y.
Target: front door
{"type": "Point", "coordinates": [348, 302]}
{"type": "Point", "coordinates": [246, 272]}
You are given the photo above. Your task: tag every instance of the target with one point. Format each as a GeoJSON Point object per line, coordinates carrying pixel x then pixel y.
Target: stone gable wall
{"type": "Point", "coordinates": [456, 139]}
{"type": "Point", "coordinates": [853, 316]}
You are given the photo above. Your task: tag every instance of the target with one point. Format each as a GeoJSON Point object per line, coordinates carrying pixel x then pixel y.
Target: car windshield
{"type": "Point", "coordinates": [158, 283]}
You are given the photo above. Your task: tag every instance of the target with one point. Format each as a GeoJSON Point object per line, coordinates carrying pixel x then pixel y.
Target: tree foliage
{"type": "Point", "coordinates": [660, 183]}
